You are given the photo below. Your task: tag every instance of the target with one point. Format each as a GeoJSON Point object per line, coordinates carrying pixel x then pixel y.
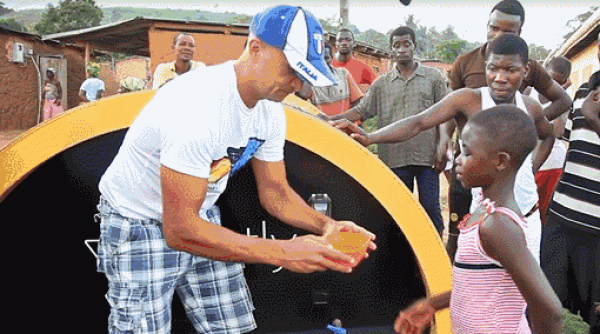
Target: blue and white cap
{"type": "Point", "coordinates": [300, 36]}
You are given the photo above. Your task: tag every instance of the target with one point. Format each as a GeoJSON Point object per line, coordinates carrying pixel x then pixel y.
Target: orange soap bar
{"type": "Point", "coordinates": [350, 243]}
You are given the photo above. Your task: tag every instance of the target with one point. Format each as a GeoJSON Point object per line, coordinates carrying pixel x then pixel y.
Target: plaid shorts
{"type": "Point", "coordinates": [143, 273]}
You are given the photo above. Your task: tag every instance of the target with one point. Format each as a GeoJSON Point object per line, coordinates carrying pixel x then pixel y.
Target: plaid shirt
{"type": "Point", "coordinates": [392, 98]}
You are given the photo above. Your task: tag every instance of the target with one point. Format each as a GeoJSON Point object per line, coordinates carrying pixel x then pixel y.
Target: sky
{"type": "Point", "coordinates": [545, 21]}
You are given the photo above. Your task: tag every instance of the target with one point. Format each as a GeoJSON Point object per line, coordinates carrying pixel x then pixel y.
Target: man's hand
{"type": "Point", "coordinates": [311, 253]}
{"type": "Point", "coordinates": [344, 225]}
{"type": "Point", "coordinates": [441, 157]}
{"type": "Point", "coordinates": [415, 318]}
{"type": "Point", "coordinates": [353, 130]}
{"type": "Point", "coordinates": [323, 116]}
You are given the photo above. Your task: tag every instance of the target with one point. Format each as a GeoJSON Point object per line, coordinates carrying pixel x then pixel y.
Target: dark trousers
{"type": "Point", "coordinates": [570, 258]}
{"type": "Point", "coordinates": [428, 181]}
{"type": "Point", "coordinates": [459, 200]}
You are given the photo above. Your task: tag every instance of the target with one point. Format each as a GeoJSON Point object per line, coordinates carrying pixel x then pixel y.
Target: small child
{"type": "Point", "coordinates": [495, 276]}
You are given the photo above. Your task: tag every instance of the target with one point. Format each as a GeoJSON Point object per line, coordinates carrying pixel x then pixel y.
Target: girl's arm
{"type": "Point", "coordinates": [503, 240]}
{"type": "Point", "coordinates": [418, 316]}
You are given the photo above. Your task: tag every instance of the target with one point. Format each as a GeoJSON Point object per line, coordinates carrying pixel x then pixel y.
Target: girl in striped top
{"type": "Point", "coordinates": [495, 276]}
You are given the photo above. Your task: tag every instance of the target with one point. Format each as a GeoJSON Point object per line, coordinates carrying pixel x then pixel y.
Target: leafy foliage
{"type": "Point", "coordinates": [538, 52]}
{"type": "Point", "coordinates": [448, 50]}
{"type": "Point", "coordinates": [578, 20]}
{"type": "Point", "coordinates": [12, 24]}
{"type": "Point", "coordinates": [69, 15]}
{"type": "Point", "coordinates": [4, 10]}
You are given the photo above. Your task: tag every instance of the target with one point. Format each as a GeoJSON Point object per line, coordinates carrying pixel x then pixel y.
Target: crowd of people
{"type": "Point", "coordinates": [524, 197]}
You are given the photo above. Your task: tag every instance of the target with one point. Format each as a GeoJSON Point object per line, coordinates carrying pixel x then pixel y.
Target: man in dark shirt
{"type": "Point", "coordinates": [468, 70]}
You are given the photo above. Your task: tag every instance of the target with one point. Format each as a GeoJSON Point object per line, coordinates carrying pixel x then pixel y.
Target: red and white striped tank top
{"type": "Point", "coordinates": [484, 298]}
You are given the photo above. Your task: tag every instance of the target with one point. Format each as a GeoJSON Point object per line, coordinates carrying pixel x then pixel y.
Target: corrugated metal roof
{"type": "Point", "coordinates": [131, 36]}
{"type": "Point", "coordinates": [581, 38]}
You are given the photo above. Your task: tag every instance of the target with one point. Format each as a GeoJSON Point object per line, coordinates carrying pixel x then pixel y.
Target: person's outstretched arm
{"type": "Point", "coordinates": [402, 130]}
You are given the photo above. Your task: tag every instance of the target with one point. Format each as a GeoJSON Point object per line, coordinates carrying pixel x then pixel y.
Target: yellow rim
{"type": "Point", "coordinates": [27, 152]}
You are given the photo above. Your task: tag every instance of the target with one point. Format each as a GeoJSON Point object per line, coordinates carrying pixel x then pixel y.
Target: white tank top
{"type": "Point", "coordinates": [556, 159]}
{"type": "Point", "coordinates": [526, 193]}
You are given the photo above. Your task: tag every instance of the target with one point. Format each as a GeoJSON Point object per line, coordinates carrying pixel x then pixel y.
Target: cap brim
{"type": "Point", "coordinates": [304, 50]}
{"type": "Point", "coordinates": [316, 72]}
{"type": "Point", "coordinates": [405, 2]}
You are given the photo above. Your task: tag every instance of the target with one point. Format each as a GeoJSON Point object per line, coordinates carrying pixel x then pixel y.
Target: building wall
{"type": "Point", "coordinates": [113, 72]}
{"type": "Point", "coordinates": [378, 65]}
{"type": "Point", "coordinates": [584, 64]}
{"type": "Point", "coordinates": [211, 48]}
{"type": "Point", "coordinates": [19, 84]}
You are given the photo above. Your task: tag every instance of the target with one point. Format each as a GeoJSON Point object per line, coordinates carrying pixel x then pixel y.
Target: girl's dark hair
{"type": "Point", "coordinates": [510, 127]}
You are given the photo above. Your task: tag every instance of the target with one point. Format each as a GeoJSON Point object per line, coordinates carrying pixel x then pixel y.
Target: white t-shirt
{"type": "Point", "coordinates": [91, 87]}
{"type": "Point", "coordinates": [525, 192]}
{"type": "Point", "coordinates": [556, 159]}
{"type": "Point", "coordinates": [197, 125]}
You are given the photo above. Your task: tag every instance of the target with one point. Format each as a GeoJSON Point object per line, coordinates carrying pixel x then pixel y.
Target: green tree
{"type": "Point", "coordinates": [4, 10]}
{"type": "Point", "coordinates": [448, 50]}
{"type": "Point", "coordinates": [538, 52]}
{"type": "Point", "coordinates": [12, 24]}
{"type": "Point", "coordinates": [242, 19]}
{"type": "Point", "coordinates": [374, 38]}
{"type": "Point", "coordinates": [576, 22]}
{"type": "Point", "coordinates": [330, 24]}
{"type": "Point", "coordinates": [69, 15]}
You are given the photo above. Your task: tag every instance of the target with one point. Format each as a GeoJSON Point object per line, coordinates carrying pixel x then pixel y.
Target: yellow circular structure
{"type": "Point", "coordinates": [26, 153]}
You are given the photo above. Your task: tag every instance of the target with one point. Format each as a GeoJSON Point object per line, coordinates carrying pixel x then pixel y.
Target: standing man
{"type": "Point", "coordinates": [406, 90]}
{"type": "Point", "coordinates": [92, 88]}
{"type": "Point", "coordinates": [547, 177]}
{"type": "Point", "coordinates": [184, 48]}
{"type": "Point", "coordinates": [160, 228]}
{"type": "Point", "coordinates": [469, 71]}
{"type": "Point", "coordinates": [361, 72]}
{"type": "Point", "coordinates": [506, 67]}
{"type": "Point", "coordinates": [571, 239]}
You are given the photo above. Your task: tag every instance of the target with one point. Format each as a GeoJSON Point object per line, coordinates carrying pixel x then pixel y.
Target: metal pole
{"type": "Point", "coordinates": [344, 12]}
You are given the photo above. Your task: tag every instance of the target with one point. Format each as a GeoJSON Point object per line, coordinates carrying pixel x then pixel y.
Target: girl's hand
{"type": "Point", "coordinates": [415, 319]}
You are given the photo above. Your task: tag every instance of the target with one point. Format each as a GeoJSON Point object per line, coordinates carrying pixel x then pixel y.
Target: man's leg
{"type": "Point", "coordinates": [407, 175]}
{"type": "Point", "coordinates": [459, 200]}
{"type": "Point", "coordinates": [141, 270]}
{"type": "Point", "coordinates": [554, 258]}
{"type": "Point", "coordinates": [428, 182]}
{"type": "Point", "coordinates": [215, 293]}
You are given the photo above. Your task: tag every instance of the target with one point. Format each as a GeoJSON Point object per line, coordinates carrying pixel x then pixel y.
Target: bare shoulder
{"type": "Point", "coordinates": [468, 100]}
{"type": "Point", "coordinates": [498, 232]}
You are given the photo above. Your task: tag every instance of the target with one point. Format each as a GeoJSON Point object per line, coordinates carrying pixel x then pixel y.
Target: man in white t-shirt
{"type": "Point", "coordinates": [92, 88]}
{"type": "Point", "coordinates": [160, 229]}
{"type": "Point", "coordinates": [546, 178]}
{"type": "Point", "coordinates": [184, 48]}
